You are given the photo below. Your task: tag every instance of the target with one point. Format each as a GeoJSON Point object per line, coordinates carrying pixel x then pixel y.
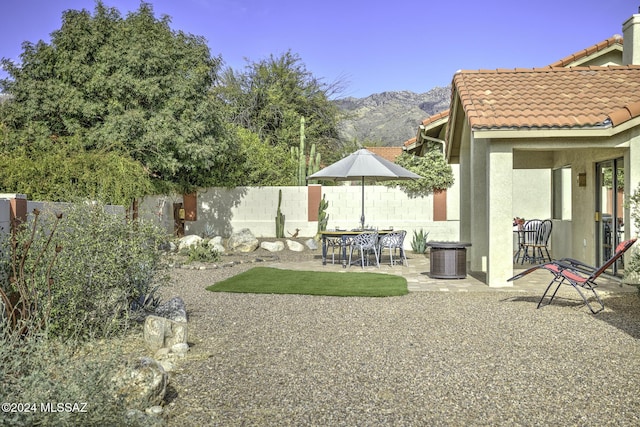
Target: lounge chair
{"type": "Point", "coordinates": [572, 272]}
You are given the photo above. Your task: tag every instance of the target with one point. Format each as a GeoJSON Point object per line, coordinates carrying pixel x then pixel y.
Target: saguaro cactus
{"type": "Point", "coordinates": [279, 218]}
{"type": "Point", "coordinates": [323, 217]}
{"type": "Point", "coordinates": [298, 154]}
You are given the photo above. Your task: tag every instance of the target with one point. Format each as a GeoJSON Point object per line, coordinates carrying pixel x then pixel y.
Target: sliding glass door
{"type": "Point", "coordinates": [609, 211]}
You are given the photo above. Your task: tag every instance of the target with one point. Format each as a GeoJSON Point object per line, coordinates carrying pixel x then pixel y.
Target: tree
{"type": "Point", "coordinates": [436, 173]}
{"type": "Point", "coordinates": [264, 164]}
{"type": "Point", "coordinates": [129, 86]}
{"type": "Point", "coordinates": [269, 97]}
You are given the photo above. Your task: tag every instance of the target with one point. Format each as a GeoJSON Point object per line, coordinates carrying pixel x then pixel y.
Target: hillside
{"type": "Point", "coordinates": [390, 117]}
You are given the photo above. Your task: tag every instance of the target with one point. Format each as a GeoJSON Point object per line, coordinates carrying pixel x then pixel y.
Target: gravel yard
{"type": "Point", "coordinates": [428, 358]}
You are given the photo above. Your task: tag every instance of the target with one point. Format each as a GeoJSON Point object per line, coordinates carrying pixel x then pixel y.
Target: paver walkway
{"type": "Point", "coordinates": [417, 275]}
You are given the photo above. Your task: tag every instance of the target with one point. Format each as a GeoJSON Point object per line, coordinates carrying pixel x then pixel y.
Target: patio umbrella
{"type": "Point", "coordinates": [363, 164]}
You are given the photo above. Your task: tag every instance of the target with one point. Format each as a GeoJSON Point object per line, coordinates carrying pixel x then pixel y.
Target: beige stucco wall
{"type": "Point", "coordinates": [223, 211]}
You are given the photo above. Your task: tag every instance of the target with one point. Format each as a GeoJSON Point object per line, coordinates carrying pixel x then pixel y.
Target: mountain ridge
{"type": "Point", "coordinates": [389, 118]}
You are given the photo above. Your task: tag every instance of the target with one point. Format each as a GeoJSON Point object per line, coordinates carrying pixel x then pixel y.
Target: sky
{"type": "Point", "coordinates": [370, 46]}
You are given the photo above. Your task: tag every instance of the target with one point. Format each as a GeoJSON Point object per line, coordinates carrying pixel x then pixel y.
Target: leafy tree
{"type": "Point", "coordinates": [62, 174]}
{"type": "Point", "coordinates": [436, 173]}
{"type": "Point", "coordinates": [269, 97]}
{"type": "Point", "coordinates": [264, 164]}
{"type": "Point", "coordinates": [121, 85]}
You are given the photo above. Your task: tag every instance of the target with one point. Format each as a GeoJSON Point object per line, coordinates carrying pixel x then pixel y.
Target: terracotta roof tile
{"type": "Point", "coordinates": [435, 117]}
{"type": "Point", "coordinates": [549, 97]}
{"type": "Point", "coordinates": [389, 153]}
{"type": "Point", "coordinates": [410, 141]}
{"type": "Point", "coordinates": [616, 39]}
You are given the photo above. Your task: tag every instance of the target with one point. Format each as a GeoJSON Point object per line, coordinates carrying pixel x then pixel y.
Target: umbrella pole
{"type": "Point", "coordinates": [362, 216]}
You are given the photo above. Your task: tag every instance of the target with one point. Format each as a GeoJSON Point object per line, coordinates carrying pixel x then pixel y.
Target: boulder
{"type": "Point", "coordinates": [173, 309]}
{"type": "Point", "coordinates": [189, 241]}
{"type": "Point", "coordinates": [312, 244]}
{"type": "Point", "coordinates": [215, 244]}
{"type": "Point", "coordinates": [160, 332]}
{"type": "Point", "coordinates": [295, 246]}
{"type": "Point", "coordinates": [276, 246]}
{"type": "Point", "coordinates": [243, 241]}
{"type": "Point", "coordinates": [142, 383]}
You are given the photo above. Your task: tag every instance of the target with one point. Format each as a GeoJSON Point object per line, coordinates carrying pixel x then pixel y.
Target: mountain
{"type": "Point", "coordinates": [390, 117]}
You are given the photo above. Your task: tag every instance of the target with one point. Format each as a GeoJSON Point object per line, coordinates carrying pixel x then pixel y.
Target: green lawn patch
{"type": "Point", "coordinates": [265, 280]}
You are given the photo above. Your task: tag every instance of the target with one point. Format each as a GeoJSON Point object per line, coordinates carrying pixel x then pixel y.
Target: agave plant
{"type": "Point", "coordinates": [419, 242]}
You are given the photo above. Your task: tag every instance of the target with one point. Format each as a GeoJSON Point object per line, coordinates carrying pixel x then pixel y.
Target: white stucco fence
{"type": "Point", "coordinates": [222, 211]}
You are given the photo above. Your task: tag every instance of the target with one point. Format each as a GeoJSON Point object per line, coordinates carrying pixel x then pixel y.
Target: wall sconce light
{"type": "Point", "coordinates": [582, 179]}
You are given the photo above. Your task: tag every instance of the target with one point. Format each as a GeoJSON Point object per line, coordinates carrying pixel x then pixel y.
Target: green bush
{"type": "Point", "coordinates": [201, 252]}
{"type": "Point", "coordinates": [107, 268]}
{"type": "Point", "coordinates": [37, 371]}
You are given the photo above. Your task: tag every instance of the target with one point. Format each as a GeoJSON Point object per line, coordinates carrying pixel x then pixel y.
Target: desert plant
{"type": "Point", "coordinates": [323, 217]}
{"type": "Point", "coordinates": [107, 264]}
{"type": "Point", "coordinates": [419, 241]}
{"type": "Point", "coordinates": [201, 252]}
{"type": "Point", "coordinates": [279, 218]}
{"type": "Point", "coordinates": [41, 371]}
{"type": "Point", "coordinates": [26, 298]}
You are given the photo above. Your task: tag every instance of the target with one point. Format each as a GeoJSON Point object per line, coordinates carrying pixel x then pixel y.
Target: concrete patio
{"type": "Point", "coordinates": [417, 275]}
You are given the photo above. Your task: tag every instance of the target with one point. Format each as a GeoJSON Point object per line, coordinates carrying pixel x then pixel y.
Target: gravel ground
{"type": "Point", "coordinates": [428, 358]}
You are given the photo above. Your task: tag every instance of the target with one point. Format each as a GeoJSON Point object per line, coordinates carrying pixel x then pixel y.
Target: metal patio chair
{"type": "Point", "coordinates": [394, 242]}
{"type": "Point", "coordinates": [365, 243]}
{"type": "Point", "coordinates": [575, 273]}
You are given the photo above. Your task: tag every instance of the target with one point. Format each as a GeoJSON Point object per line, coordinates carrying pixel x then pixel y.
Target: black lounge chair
{"type": "Point", "coordinates": [572, 272]}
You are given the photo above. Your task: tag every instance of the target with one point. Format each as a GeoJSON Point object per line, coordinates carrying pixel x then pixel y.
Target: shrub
{"type": "Point", "coordinates": [106, 267]}
{"type": "Point", "coordinates": [201, 252]}
{"type": "Point", "coordinates": [35, 370]}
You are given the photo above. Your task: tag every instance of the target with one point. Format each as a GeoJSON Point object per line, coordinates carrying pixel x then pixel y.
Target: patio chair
{"type": "Point", "coordinates": [393, 242]}
{"type": "Point", "coordinates": [572, 272]}
{"type": "Point", "coordinates": [538, 241]}
{"type": "Point", "coordinates": [339, 244]}
{"type": "Point", "coordinates": [365, 243]}
{"type": "Point", "coordinates": [529, 234]}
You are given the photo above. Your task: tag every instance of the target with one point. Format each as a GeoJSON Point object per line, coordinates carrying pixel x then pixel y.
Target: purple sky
{"type": "Point", "coordinates": [374, 46]}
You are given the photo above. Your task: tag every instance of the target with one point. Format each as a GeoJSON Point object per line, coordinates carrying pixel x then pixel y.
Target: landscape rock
{"type": "Point", "coordinates": [295, 246]}
{"type": "Point", "coordinates": [312, 244]}
{"type": "Point", "coordinates": [189, 241]}
{"type": "Point", "coordinates": [173, 309]}
{"type": "Point", "coordinates": [243, 241]}
{"type": "Point", "coordinates": [160, 332]}
{"type": "Point", "coordinates": [276, 246]}
{"type": "Point", "coordinates": [142, 383]}
{"type": "Point", "coordinates": [216, 244]}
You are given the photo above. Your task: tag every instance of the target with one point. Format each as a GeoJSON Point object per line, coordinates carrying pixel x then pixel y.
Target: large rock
{"type": "Point", "coordinates": [189, 241]}
{"type": "Point", "coordinates": [215, 244]}
{"type": "Point", "coordinates": [295, 246]}
{"type": "Point", "coordinates": [276, 246]}
{"type": "Point", "coordinates": [142, 384]}
{"type": "Point", "coordinates": [243, 241]}
{"type": "Point", "coordinates": [312, 244]}
{"type": "Point", "coordinates": [160, 332]}
{"type": "Point", "coordinates": [174, 309]}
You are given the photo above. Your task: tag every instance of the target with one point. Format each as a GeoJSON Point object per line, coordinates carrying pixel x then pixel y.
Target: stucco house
{"type": "Point", "coordinates": [577, 119]}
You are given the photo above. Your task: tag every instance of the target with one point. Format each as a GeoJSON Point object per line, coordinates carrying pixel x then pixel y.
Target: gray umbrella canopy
{"type": "Point", "coordinates": [363, 164]}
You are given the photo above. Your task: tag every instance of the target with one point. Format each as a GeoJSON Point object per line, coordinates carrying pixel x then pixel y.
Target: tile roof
{"type": "Point", "coordinates": [410, 141]}
{"type": "Point", "coordinates": [616, 40]}
{"type": "Point", "coordinates": [550, 97]}
{"type": "Point", "coordinates": [435, 117]}
{"type": "Point", "coordinates": [389, 153]}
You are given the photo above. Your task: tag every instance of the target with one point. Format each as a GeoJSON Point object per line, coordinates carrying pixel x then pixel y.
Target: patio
{"type": "Point", "coordinates": [418, 278]}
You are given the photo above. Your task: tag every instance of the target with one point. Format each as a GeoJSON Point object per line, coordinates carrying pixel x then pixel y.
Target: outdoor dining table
{"type": "Point", "coordinates": [344, 235]}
